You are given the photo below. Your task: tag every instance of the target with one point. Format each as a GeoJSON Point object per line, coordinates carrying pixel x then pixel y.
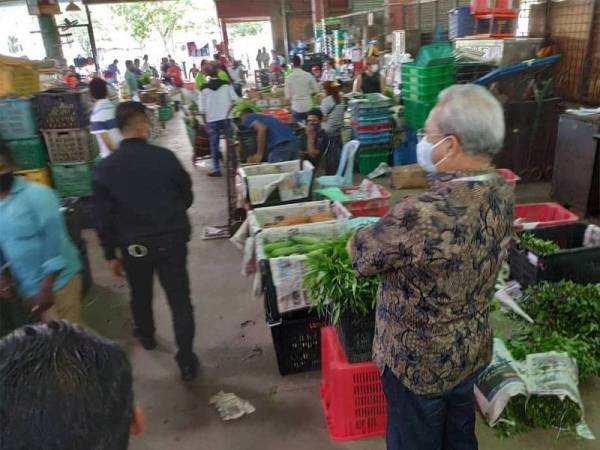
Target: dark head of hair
{"type": "Point", "coordinates": [6, 156]}
{"type": "Point", "coordinates": [136, 61]}
{"type": "Point", "coordinates": [130, 112]}
{"type": "Point", "coordinates": [284, 66]}
{"type": "Point", "coordinates": [296, 61]}
{"type": "Point", "coordinates": [128, 63]}
{"type": "Point", "coordinates": [115, 61]}
{"type": "Point", "coordinates": [331, 89]}
{"type": "Point", "coordinates": [61, 387]}
{"type": "Point", "coordinates": [216, 56]}
{"type": "Point", "coordinates": [315, 112]}
{"type": "Point", "coordinates": [98, 88]}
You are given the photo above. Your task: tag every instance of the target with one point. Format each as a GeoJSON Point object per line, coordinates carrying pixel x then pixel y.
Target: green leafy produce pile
{"type": "Point", "coordinates": [522, 413]}
{"type": "Point", "coordinates": [540, 247]}
{"type": "Point", "coordinates": [333, 286]}
{"type": "Point", "coordinates": [244, 104]}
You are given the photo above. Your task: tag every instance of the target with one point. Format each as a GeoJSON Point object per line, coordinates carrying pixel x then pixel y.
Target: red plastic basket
{"type": "Point", "coordinates": [509, 176]}
{"type": "Point", "coordinates": [351, 394]}
{"type": "Point", "coordinates": [371, 127]}
{"type": "Point", "coordinates": [541, 215]}
{"type": "Point", "coordinates": [281, 114]}
{"type": "Point", "coordinates": [374, 207]}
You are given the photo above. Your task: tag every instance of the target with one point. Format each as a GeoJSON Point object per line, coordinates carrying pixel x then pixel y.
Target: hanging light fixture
{"type": "Point", "coordinates": [72, 7]}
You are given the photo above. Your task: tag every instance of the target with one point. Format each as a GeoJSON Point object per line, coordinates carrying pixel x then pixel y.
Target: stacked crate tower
{"type": "Point", "coordinates": [371, 126]}
{"type": "Point", "coordinates": [63, 118]}
{"type": "Point", "coordinates": [421, 85]}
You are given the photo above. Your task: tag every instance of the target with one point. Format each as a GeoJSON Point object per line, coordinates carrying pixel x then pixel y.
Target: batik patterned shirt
{"type": "Point", "coordinates": [439, 254]}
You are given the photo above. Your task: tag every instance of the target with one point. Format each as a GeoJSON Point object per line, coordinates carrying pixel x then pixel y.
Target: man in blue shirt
{"type": "Point", "coordinates": [35, 249]}
{"type": "Point", "coordinates": [275, 141]}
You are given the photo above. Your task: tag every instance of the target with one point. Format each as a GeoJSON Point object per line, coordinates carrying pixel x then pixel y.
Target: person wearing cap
{"type": "Point", "coordinates": [36, 252]}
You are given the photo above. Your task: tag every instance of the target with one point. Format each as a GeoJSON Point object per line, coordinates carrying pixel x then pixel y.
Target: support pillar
{"type": "Point", "coordinates": [51, 37]}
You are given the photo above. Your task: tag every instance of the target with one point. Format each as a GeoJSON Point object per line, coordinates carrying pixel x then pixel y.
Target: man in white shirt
{"type": "Point", "coordinates": [217, 97]}
{"type": "Point", "coordinates": [102, 121]}
{"type": "Point", "coordinates": [299, 88]}
{"type": "Point", "coordinates": [329, 73]}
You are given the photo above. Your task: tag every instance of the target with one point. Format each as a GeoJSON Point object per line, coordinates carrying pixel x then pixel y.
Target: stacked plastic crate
{"type": "Point", "coordinates": [371, 125]}
{"type": "Point", "coordinates": [422, 81]}
{"type": "Point", "coordinates": [63, 117]}
{"type": "Point", "coordinates": [18, 128]}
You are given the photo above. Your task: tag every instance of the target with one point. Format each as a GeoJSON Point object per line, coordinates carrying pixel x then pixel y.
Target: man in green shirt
{"type": "Point", "coordinates": [205, 69]}
{"type": "Point", "coordinates": [131, 79]}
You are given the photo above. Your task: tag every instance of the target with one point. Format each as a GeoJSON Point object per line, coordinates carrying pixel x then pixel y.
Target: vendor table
{"type": "Point", "coordinates": [576, 180]}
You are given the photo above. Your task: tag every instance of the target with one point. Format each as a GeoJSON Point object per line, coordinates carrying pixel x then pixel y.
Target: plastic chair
{"type": "Point", "coordinates": [345, 170]}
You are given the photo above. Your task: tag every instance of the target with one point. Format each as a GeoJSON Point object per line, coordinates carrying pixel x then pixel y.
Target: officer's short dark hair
{"type": "Point", "coordinates": [98, 88]}
{"type": "Point", "coordinates": [128, 112]}
{"type": "Point", "coordinates": [63, 388]}
{"type": "Point", "coordinates": [315, 112]}
{"type": "Point", "coordinates": [6, 155]}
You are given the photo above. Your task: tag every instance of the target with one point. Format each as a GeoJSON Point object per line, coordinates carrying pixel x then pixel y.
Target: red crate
{"type": "Point", "coordinates": [282, 114]}
{"type": "Point", "coordinates": [541, 215]}
{"type": "Point", "coordinates": [374, 207]}
{"type": "Point", "coordinates": [371, 127]}
{"type": "Point", "coordinates": [509, 176]}
{"type": "Point", "coordinates": [351, 394]}
{"type": "Point", "coordinates": [494, 7]}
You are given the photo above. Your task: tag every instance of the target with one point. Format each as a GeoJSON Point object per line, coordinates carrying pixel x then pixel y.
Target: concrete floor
{"type": "Point", "coordinates": [237, 355]}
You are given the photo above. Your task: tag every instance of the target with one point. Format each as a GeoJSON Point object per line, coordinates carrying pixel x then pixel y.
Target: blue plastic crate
{"type": "Point", "coordinates": [460, 22]}
{"type": "Point", "coordinates": [405, 153]}
{"type": "Point", "coordinates": [17, 120]}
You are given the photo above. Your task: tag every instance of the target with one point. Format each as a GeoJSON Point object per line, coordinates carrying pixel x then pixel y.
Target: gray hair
{"type": "Point", "coordinates": [474, 116]}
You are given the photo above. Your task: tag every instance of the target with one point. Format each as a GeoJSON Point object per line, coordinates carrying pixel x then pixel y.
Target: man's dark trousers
{"type": "Point", "coordinates": [170, 263]}
{"type": "Point", "coordinates": [418, 422]}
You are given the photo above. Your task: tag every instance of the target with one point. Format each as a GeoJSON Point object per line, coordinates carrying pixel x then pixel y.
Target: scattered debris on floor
{"type": "Point", "coordinates": [256, 352]}
{"type": "Point", "coordinates": [230, 406]}
{"type": "Point", "coordinates": [247, 323]}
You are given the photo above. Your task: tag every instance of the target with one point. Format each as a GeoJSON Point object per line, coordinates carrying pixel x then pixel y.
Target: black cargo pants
{"type": "Point", "coordinates": [170, 263]}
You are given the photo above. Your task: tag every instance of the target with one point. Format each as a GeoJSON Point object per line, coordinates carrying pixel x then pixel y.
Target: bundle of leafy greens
{"type": "Point", "coordinates": [540, 247]}
{"type": "Point", "coordinates": [332, 285]}
{"type": "Point", "coordinates": [538, 411]}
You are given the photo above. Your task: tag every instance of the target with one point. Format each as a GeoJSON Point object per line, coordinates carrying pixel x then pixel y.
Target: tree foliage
{"type": "Point", "coordinates": [245, 29]}
{"type": "Point", "coordinates": [163, 18]}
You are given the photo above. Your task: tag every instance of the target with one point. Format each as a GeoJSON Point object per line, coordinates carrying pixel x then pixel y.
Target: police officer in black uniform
{"type": "Point", "coordinates": [141, 195]}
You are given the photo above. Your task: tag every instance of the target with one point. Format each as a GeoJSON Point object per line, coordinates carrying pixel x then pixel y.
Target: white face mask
{"type": "Point", "coordinates": [425, 151]}
{"type": "Point", "coordinates": [374, 67]}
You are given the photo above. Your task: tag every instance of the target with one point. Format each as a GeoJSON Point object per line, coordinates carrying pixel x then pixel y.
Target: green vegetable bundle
{"type": "Point", "coordinates": [333, 286]}
{"type": "Point", "coordinates": [537, 339]}
{"type": "Point", "coordinates": [540, 247]}
{"type": "Point", "coordinates": [244, 104]}
{"type": "Point", "coordinates": [295, 245]}
{"type": "Point", "coordinates": [567, 317]}
{"type": "Point", "coordinates": [522, 413]}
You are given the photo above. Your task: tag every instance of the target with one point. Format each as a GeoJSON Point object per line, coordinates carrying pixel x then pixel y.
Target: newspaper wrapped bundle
{"type": "Point", "coordinates": [550, 374]}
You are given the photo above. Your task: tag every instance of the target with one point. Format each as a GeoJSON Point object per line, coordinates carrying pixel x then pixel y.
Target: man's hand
{"type": "Point", "coordinates": [116, 267]}
{"type": "Point", "coordinates": [4, 287]}
{"type": "Point", "coordinates": [42, 301]}
{"type": "Point", "coordinates": [255, 159]}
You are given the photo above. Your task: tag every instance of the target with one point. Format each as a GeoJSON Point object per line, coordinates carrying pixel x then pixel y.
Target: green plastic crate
{"type": "Point", "coordinates": [165, 113]}
{"type": "Point", "coordinates": [423, 93]}
{"type": "Point", "coordinates": [29, 153]}
{"type": "Point", "coordinates": [416, 112]}
{"type": "Point", "coordinates": [72, 179]}
{"type": "Point", "coordinates": [426, 73]}
{"type": "Point", "coordinates": [370, 159]}
{"type": "Point", "coordinates": [437, 54]}
{"type": "Point", "coordinates": [413, 77]}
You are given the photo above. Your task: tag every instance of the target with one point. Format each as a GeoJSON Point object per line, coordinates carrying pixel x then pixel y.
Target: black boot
{"type": "Point", "coordinates": [188, 366]}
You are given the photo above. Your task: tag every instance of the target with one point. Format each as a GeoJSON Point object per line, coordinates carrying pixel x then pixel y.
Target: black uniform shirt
{"type": "Point", "coordinates": [141, 194]}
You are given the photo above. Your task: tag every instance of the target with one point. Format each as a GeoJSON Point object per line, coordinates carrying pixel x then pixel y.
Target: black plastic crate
{"type": "Point", "coordinates": [356, 336]}
{"type": "Point", "coordinates": [71, 209]}
{"type": "Point", "coordinates": [573, 262]}
{"type": "Point", "coordinates": [88, 219]}
{"type": "Point", "coordinates": [61, 109]}
{"type": "Point", "coordinates": [297, 343]}
{"type": "Point", "coordinates": [469, 72]}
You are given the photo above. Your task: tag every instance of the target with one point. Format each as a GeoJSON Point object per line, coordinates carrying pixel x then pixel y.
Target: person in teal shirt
{"type": "Point", "coordinates": [131, 79]}
{"type": "Point", "coordinates": [36, 252]}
